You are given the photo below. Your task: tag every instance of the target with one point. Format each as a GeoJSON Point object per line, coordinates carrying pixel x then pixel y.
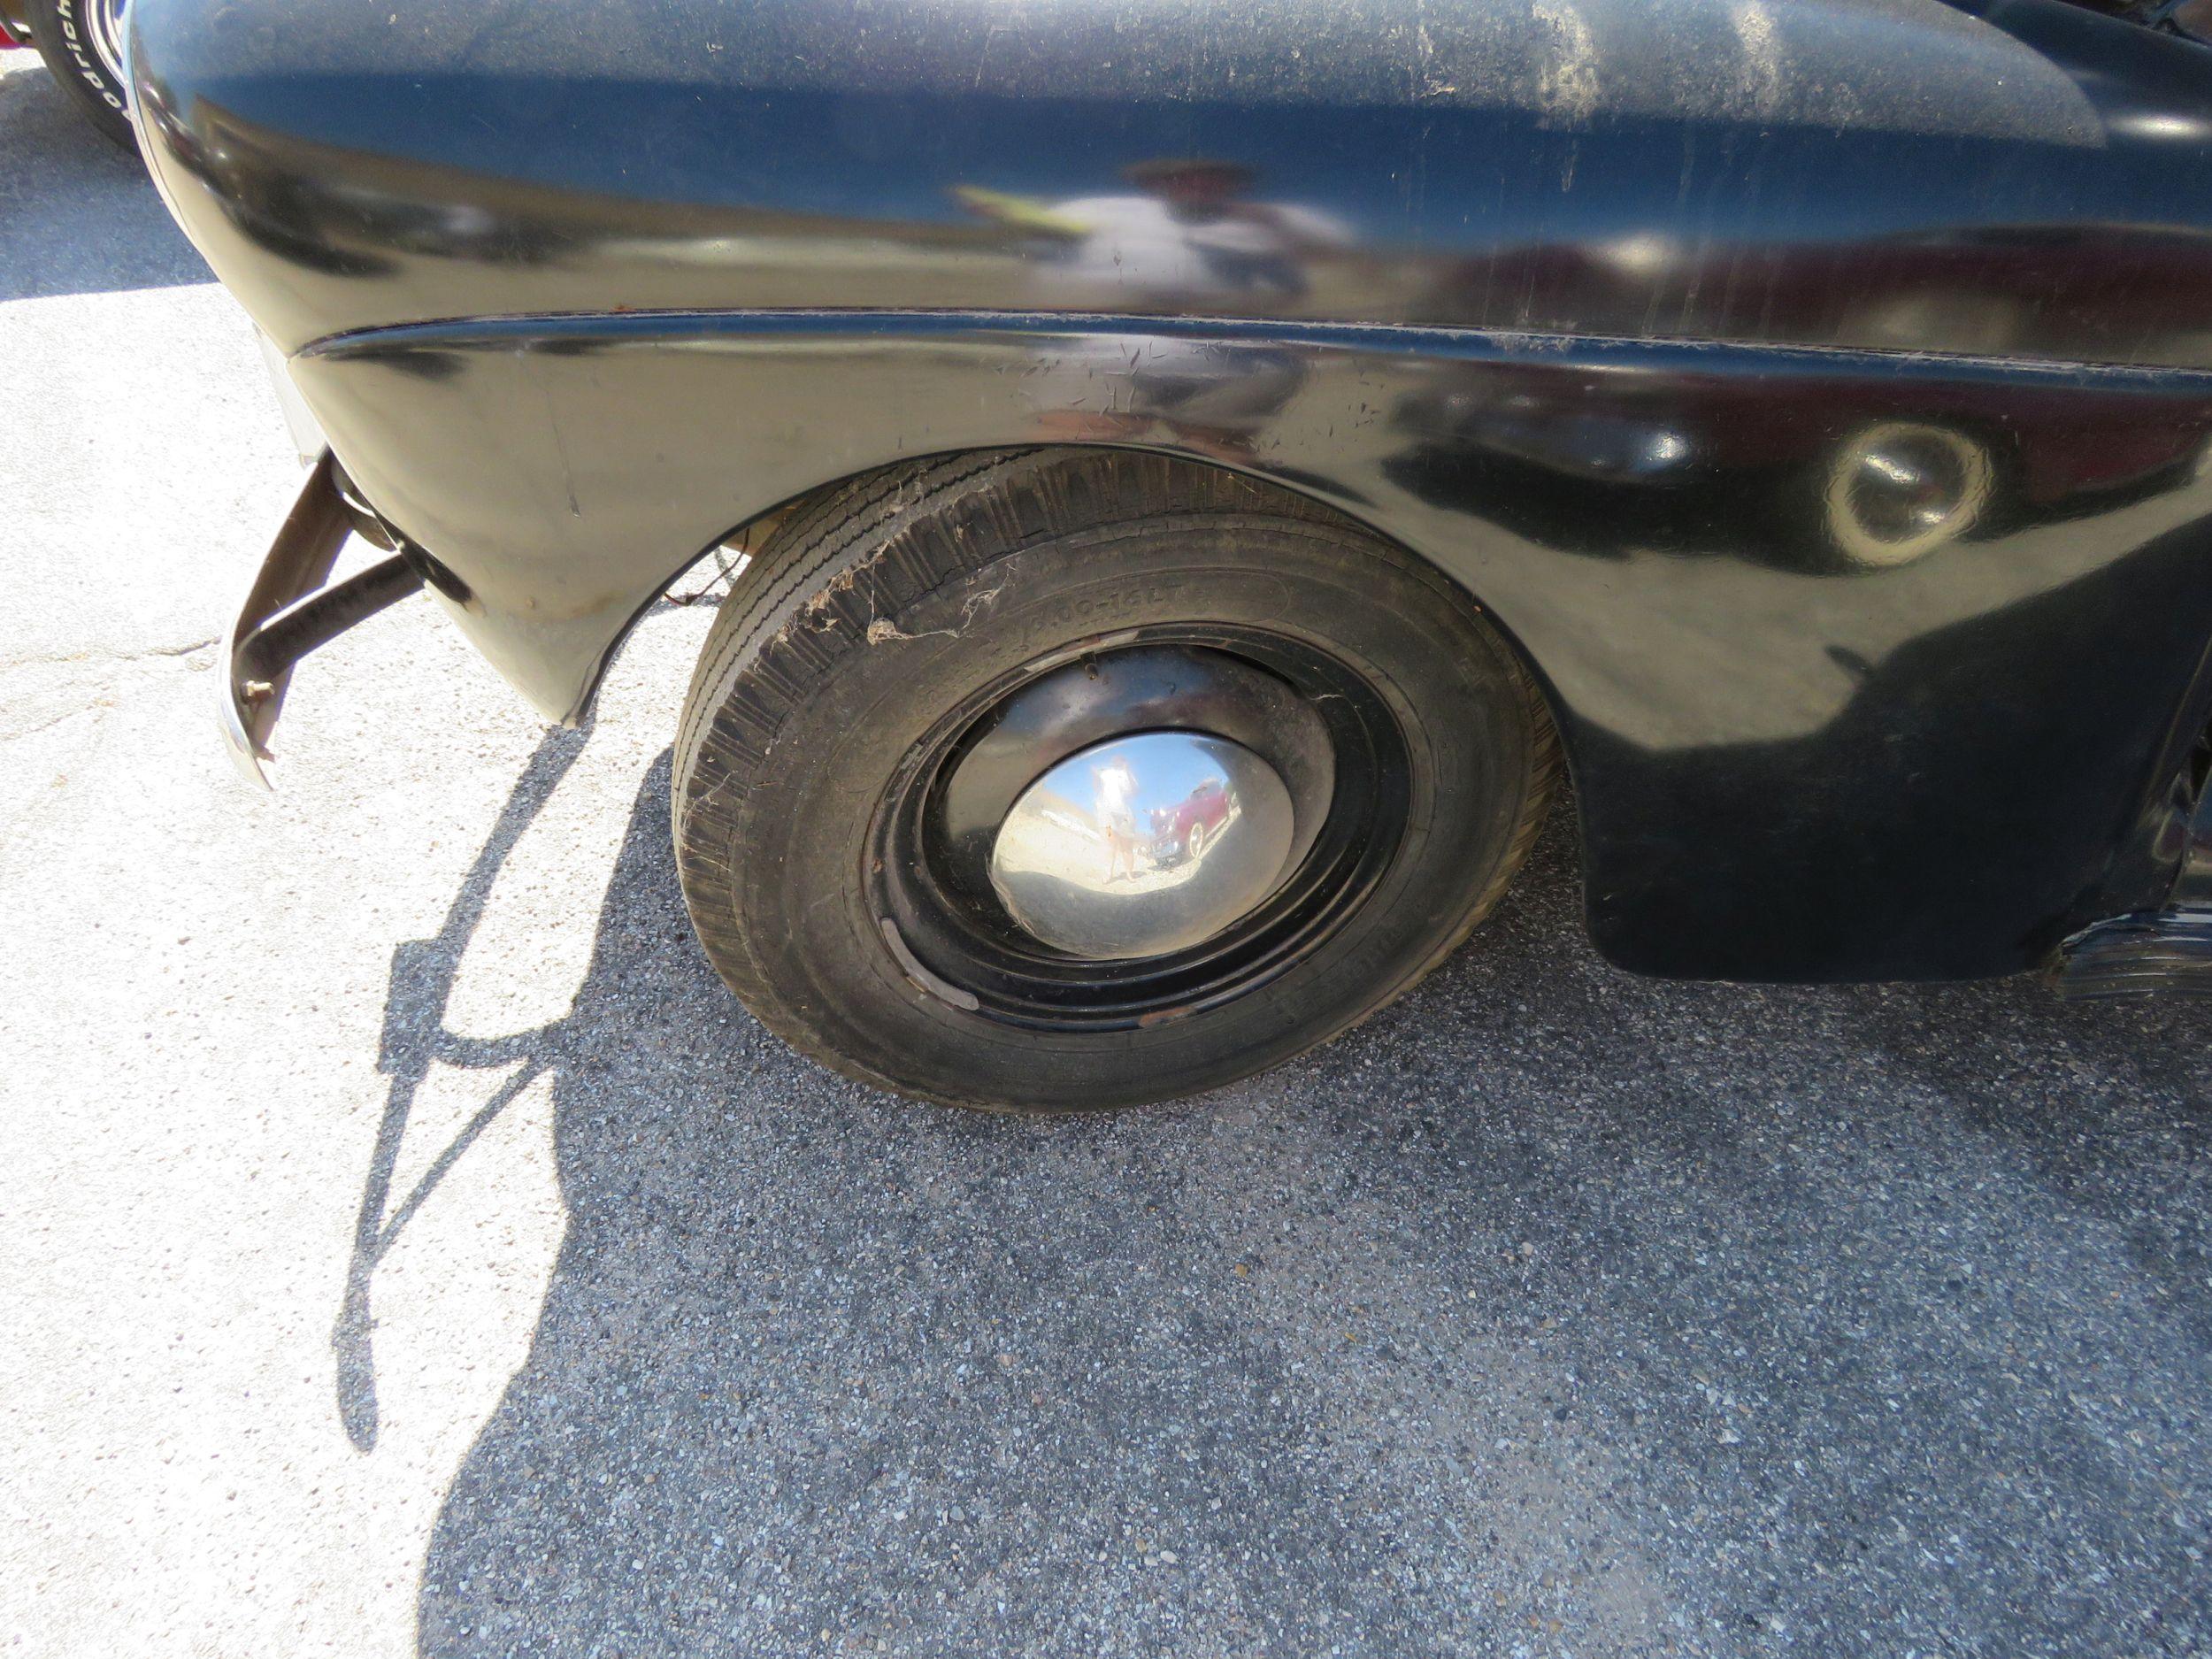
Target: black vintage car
{"type": "Point", "coordinates": [1792, 419]}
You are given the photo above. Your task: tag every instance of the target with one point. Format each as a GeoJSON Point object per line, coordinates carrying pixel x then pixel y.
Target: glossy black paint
{"type": "Point", "coordinates": [1608, 307]}
{"type": "Point", "coordinates": [1883, 173]}
{"type": "Point", "coordinates": [2161, 953]}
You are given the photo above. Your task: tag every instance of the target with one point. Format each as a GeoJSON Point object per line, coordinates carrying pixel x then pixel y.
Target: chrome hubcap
{"type": "Point", "coordinates": [1144, 844]}
{"type": "Point", "coordinates": [1137, 828]}
{"type": "Point", "coordinates": [106, 19]}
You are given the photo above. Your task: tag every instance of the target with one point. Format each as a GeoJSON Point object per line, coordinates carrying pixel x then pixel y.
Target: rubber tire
{"type": "Point", "coordinates": [65, 43]}
{"type": "Point", "coordinates": [880, 605]}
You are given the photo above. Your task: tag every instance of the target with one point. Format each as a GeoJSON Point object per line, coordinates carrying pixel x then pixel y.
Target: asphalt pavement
{"type": "Point", "coordinates": [407, 1245]}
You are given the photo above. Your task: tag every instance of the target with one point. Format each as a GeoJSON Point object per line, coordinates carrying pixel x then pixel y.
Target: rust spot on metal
{"type": "Point", "coordinates": [1161, 1015]}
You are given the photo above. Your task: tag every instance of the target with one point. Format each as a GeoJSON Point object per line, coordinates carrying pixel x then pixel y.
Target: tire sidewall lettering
{"type": "Point", "coordinates": [93, 71]}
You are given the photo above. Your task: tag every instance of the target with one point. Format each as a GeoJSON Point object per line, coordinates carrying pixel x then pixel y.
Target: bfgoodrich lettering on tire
{"type": "Point", "coordinates": [1068, 778]}
{"type": "Point", "coordinates": [81, 42]}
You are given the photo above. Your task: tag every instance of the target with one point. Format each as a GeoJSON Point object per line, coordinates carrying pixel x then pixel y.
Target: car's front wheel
{"type": "Point", "coordinates": [925, 729]}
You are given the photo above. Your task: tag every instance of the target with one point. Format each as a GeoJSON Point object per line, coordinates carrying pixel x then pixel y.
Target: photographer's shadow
{"type": "Point", "coordinates": [812, 1359]}
{"type": "Point", "coordinates": [1362, 1355]}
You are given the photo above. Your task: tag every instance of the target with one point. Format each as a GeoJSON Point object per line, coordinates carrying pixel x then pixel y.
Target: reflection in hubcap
{"type": "Point", "coordinates": [107, 36]}
{"type": "Point", "coordinates": [1144, 844]}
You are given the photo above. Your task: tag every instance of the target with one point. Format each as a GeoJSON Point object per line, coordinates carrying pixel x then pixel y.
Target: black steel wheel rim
{"type": "Point", "coordinates": [922, 887]}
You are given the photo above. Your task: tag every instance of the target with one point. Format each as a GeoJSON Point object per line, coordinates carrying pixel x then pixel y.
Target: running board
{"type": "Point", "coordinates": [2167, 953]}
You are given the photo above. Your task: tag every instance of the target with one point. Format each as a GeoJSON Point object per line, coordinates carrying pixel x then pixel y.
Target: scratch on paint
{"type": "Point", "coordinates": [560, 444]}
{"type": "Point", "coordinates": [1567, 86]}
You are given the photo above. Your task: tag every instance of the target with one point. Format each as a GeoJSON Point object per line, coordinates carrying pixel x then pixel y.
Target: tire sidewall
{"type": "Point", "coordinates": [62, 30]}
{"type": "Point", "coordinates": [788, 881]}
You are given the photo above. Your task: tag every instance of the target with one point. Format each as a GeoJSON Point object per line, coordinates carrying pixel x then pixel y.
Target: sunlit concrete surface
{"type": "Point", "coordinates": [408, 1247]}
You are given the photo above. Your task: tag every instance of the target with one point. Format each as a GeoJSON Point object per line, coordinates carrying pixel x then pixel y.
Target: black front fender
{"type": "Point", "coordinates": [1817, 392]}
{"type": "Point", "coordinates": [1788, 766]}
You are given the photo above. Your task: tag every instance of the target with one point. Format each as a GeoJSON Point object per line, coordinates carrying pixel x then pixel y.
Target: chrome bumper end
{"type": "Point", "coordinates": [289, 613]}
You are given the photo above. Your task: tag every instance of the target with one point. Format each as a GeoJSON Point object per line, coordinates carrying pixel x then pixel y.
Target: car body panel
{"type": "Point", "coordinates": [1888, 174]}
{"type": "Point", "coordinates": [1608, 308]}
{"type": "Point", "coordinates": [1933, 768]}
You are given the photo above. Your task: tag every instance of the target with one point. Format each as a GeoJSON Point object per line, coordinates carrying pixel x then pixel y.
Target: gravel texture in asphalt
{"type": "Point", "coordinates": [406, 1245]}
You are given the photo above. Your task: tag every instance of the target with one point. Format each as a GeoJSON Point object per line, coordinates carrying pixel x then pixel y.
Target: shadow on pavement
{"type": "Point", "coordinates": [424, 971]}
{"type": "Point", "coordinates": [77, 214]}
{"type": "Point", "coordinates": [1553, 1310]}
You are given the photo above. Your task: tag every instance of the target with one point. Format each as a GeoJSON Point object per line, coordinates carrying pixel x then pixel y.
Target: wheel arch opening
{"type": "Point", "coordinates": [736, 551]}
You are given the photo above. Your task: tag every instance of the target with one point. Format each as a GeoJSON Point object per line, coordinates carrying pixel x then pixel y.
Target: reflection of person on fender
{"type": "Point", "coordinates": [1188, 238]}
{"type": "Point", "coordinates": [1188, 241]}
{"type": "Point", "coordinates": [1113, 789]}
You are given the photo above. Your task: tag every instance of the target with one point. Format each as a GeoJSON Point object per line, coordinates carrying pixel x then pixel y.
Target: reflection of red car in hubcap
{"type": "Point", "coordinates": [1182, 830]}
